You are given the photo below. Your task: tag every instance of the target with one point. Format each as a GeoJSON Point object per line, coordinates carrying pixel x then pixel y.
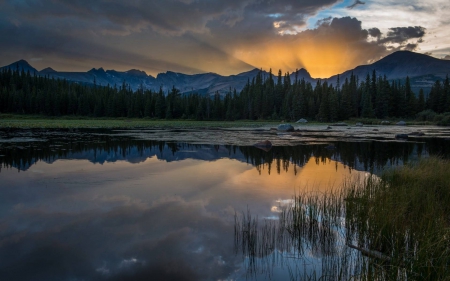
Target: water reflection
{"type": "Point", "coordinates": [368, 156]}
{"type": "Point", "coordinates": [110, 208]}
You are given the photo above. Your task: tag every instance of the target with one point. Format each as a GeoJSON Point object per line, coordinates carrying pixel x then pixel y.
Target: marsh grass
{"type": "Point", "coordinates": [406, 217]}
{"type": "Point", "coordinates": [396, 227]}
{"type": "Point", "coordinates": [75, 122]}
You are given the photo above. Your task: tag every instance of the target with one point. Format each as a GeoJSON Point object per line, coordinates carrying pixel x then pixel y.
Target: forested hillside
{"type": "Point", "coordinates": [262, 98]}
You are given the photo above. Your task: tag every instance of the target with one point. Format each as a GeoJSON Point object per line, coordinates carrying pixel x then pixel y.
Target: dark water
{"type": "Point", "coordinates": [96, 206]}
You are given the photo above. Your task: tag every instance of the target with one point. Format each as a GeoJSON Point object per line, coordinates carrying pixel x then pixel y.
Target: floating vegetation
{"type": "Point", "coordinates": [396, 227]}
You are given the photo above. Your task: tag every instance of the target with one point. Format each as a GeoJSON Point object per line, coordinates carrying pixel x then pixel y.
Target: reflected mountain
{"type": "Point", "coordinates": [22, 153]}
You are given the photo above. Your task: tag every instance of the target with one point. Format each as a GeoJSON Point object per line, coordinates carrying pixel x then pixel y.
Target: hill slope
{"type": "Point", "coordinates": [398, 65]}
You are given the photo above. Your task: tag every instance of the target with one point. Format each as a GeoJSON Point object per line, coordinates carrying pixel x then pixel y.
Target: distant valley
{"type": "Point", "coordinates": [423, 71]}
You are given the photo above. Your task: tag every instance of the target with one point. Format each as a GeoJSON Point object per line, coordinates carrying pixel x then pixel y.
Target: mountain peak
{"type": "Point", "coordinates": [302, 72]}
{"type": "Point", "coordinates": [399, 65]}
{"type": "Point", "coordinates": [21, 65]}
{"type": "Point", "coordinates": [407, 57]}
{"type": "Point", "coordinates": [168, 74]}
{"type": "Point", "coordinates": [137, 72]}
{"type": "Point", "coordinates": [48, 70]}
{"type": "Point", "coordinates": [97, 71]}
{"type": "Point", "coordinates": [22, 61]}
{"type": "Point", "coordinates": [250, 74]}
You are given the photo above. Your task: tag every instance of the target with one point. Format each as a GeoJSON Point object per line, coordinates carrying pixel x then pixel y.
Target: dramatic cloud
{"type": "Point", "coordinates": [124, 17]}
{"type": "Point", "coordinates": [385, 14]}
{"type": "Point", "coordinates": [400, 35]}
{"type": "Point", "coordinates": [374, 32]}
{"type": "Point", "coordinates": [356, 3]}
{"type": "Point", "coordinates": [399, 38]}
{"type": "Point", "coordinates": [154, 36]}
{"type": "Point", "coordinates": [189, 36]}
{"type": "Point", "coordinates": [447, 57]}
{"type": "Point", "coordinates": [288, 16]}
{"type": "Point", "coordinates": [332, 47]}
{"type": "Point", "coordinates": [172, 17]}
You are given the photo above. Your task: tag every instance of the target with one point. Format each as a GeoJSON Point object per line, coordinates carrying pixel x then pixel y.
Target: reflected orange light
{"type": "Point", "coordinates": [313, 176]}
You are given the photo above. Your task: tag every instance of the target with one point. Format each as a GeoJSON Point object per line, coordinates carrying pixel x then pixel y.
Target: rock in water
{"type": "Point", "coordinates": [359, 124]}
{"type": "Point", "coordinates": [419, 134]}
{"type": "Point", "coordinates": [340, 124]}
{"type": "Point", "coordinates": [401, 123]}
{"type": "Point", "coordinates": [302, 121]}
{"type": "Point", "coordinates": [264, 145]}
{"type": "Point", "coordinates": [401, 136]}
{"type": "Point", "coordinates": [285, 128]}
{"type": "Point", "coordinates": [385, 122]}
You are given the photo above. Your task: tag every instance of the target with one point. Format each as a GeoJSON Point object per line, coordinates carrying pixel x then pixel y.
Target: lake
{"type": "Point", "coordinates": [161, 204]}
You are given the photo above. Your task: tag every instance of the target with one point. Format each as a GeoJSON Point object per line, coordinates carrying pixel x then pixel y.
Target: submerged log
{"type": "Point", "coordinates": [371, 253]}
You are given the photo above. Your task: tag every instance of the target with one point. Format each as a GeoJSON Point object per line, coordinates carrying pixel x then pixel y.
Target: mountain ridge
{"type": "Point", "coordinates": [397, 65]}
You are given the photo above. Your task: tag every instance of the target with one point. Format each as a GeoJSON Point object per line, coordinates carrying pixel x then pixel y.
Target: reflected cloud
{"type": "Point", "coordinates": [156, 241]}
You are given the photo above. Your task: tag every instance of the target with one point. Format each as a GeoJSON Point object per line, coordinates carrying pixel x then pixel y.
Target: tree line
{"type": "Point", "coordinates": [264, 97]}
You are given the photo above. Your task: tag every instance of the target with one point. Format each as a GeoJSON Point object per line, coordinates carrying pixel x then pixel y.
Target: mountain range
{"type": "Point", "coordinates": [423, 71]}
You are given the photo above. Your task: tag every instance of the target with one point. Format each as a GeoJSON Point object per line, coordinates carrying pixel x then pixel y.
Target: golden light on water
{"type": "Point", "coordinates": [313, 176]}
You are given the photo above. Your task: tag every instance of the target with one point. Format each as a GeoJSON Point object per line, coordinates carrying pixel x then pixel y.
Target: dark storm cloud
{"type": "Point", "coordinates": [83, 30]}
{"type": "Point", "coordinates": [290, 14]}
{"type": "Point", "coordinates": [123, 17]}
{"type": "Point", "coordinates": [356, 3]}
{"type": "Point", "coordinates": [374, 32]}
{"type": "Point", "coordinates": [345, 31]}
{"type": "Point", "coordinates": [132, 242]}
{"type": "Point", "coordinates": [172, 17]}
{"type": "Point", "coordinates": [400, 35]}
{"type": "Point", "coordinates": [188, 36]}
{"type": "Point", "coordinates": [447, 57]}
{"type": "Point", "coordinates": [324, 21]}
{"type": "Point", "coordinates": [34, 41]}
{"type": "Point", "coordinates": [347, 28]}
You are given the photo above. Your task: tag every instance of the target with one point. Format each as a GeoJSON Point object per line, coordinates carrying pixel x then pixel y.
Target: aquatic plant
{"type": "Point", "coordinates": [396, 227]}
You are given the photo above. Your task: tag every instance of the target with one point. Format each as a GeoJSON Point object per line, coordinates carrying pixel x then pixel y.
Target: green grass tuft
{"type": "Point", "coordinates": [396, 227]}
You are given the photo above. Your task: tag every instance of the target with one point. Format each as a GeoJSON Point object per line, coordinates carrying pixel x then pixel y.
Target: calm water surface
{"type": "Point", "coordinates": [103, 207]}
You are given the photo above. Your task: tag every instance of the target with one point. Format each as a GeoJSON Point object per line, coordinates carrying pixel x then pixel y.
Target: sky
{"type": "Point", "coordinates": [326, 37]}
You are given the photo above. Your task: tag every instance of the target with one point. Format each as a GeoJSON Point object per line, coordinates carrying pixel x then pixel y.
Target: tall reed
{"type": "Point", "coordinates": [396, 227]}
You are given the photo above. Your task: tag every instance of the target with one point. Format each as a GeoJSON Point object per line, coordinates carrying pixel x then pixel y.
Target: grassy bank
{"type": "Point", "coordinates": [64, 122]}
{"type": "Point", "coordinates": [39, 122]}
{"type": "Point", "coordinates": [396, 227]}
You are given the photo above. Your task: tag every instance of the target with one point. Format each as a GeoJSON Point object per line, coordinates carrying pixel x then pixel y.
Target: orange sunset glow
{"type": "Point", "coordinates": [321, 61]}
